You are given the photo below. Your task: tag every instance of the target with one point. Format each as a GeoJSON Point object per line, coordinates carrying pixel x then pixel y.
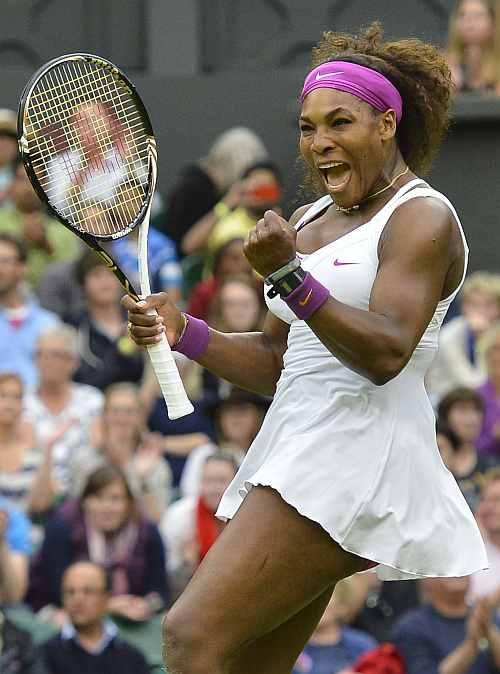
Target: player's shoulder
{"type": "Point", "coordinates": [424, 220]}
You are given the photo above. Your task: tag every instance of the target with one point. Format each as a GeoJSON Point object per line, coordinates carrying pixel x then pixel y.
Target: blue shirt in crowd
{"type": "Point", "coordinates": [164, 268]}
{"type": "Point", "coordinates": [425, 637]}
{"type": "Point", "coordinates": [329, 659]}
{"type": "Point", "coordinates": [18, 529]}
{"type": "Point", "coordinates": [18, 337]}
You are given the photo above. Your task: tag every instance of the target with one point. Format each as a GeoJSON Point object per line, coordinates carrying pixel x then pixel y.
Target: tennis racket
{"type": "Point", "coordinates": [89, 150]}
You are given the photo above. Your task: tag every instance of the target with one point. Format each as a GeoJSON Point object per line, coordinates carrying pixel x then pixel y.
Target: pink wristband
{"type": "Point", "coordinates": [195, 338]}
{"type": "Point", "coordinates": [307, 298]}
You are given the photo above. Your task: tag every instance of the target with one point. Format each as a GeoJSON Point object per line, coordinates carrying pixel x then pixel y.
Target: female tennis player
{"type": "Point", "coordinates": [345, 473]}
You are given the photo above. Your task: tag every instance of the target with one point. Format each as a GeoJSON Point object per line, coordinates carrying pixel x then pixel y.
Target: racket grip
{"type": "Point", "coordinates": [162, 360]}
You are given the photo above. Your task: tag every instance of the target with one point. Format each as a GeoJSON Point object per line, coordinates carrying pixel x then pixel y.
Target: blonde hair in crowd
{"type": "Point", "coordinates": [231, 154]}
{"type": "Point", "coordinates": [486, 341]}
{"type": "Point", "coordinates": [490, 67]}
{"type": "Point", "coordinates": [484, 282]}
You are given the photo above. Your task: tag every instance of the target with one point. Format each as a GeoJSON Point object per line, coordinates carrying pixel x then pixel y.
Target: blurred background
{"type": "Point", "coordinates": [203, 66]}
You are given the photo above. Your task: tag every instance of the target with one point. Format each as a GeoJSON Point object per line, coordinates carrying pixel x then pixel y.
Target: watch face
{"type": "Point", "coordinates": [291, 281]}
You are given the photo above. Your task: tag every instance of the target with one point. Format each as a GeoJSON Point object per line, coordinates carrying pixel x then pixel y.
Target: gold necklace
{"type": "Point", "coordinates": [349, 209]}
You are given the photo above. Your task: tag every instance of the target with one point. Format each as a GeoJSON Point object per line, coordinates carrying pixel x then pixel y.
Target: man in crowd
{"type": "Point", "coordinates": [88, 642]}
{"type": "Point", "coordinates": [333, 645]}
{"type": "Point", "coordinates": [23, 215]}
{"type": "Point", "coordinates": [22, 320]}
{"type": "Point", "coordinates": [445, 636]}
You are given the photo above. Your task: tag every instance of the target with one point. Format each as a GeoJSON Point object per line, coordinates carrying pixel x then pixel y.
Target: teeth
{"type": "Point", "coordinates": [332, 164]}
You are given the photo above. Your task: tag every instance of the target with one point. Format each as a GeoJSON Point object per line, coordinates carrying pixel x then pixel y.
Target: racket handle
{"type": "Point", "coordinates": [162, 360]}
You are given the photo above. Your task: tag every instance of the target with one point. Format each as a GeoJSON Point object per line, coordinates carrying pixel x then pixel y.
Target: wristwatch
{"type": "Point", "coordinates": [285, 279]}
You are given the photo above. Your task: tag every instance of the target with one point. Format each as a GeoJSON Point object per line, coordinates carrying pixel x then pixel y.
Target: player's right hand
{"type": "Point", "coordinates": [145, 326]}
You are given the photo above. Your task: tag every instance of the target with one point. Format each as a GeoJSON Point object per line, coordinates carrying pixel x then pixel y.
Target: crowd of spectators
{"type": "Point", "coordinates": [107, 506]}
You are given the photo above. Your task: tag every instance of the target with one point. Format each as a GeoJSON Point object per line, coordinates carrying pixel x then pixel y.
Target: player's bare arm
{"type": "Point", "coordinates": [421, 262]}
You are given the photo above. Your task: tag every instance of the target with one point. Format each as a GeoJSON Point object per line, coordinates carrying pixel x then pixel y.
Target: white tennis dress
{"type": "Point", "coordinates": [360, 459]}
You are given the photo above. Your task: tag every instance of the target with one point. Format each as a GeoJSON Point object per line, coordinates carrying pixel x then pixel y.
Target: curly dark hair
{"type": "Point", "coordinates": [419, 72]}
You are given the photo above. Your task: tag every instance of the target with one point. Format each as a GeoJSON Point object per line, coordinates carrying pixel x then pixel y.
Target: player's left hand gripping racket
{"type": "Point", "coordinates": [89, 150]}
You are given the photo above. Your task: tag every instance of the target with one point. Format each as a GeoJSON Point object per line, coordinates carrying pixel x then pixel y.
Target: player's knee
{"type": "Point", "coordinates": [185, 644]}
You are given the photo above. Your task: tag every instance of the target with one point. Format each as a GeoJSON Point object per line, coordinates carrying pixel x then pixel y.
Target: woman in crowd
{"type": "Point", "coordinates": [489, 349]}
{"type": "Point", "coordinates": [473, 50]}
{"type": "Point", "coordinates": [57, 400]}
{"type": "Point", "coordinates": [457, 362]}
{"type": "Point", "coordinates": [462, 412]}
{"type": "Point", "coordinates": [229, 260]}
{"type": "Point", "coordinates": [121, 438]}
{"type": "Point", "coordinates": [19, 457]}
{"type": "Point", "coordinates": [106, 353]}
{"type": "Point", "coordinates": [103, 525]}
{"type": "Point", "coordinates": [189, 527]}
{"type": "Point", "coordinates": [238, 305]}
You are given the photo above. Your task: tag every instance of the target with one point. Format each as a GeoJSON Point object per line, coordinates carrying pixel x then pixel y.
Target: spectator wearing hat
{"type": "Point", "coordinates": [8, 150]}
{"type": "Point", "coordinates": [46, 240]}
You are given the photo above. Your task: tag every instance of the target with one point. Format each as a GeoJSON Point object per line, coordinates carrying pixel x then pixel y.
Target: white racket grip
{"type": "Point", "coordinates": [162, 360]}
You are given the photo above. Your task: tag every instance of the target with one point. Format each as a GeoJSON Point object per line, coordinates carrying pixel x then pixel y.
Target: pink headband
{"type": "Point", "coordinates": [365, 83]}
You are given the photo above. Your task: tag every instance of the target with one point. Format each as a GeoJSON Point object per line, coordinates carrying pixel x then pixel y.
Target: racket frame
{"type": "Point", "coordinates": [178, 405]}
{"type": "Point", "coordinates": [90, 239]}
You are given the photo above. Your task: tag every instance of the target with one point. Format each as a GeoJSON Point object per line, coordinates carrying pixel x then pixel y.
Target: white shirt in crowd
{"type": "Point", "coordinates": [84, 406]}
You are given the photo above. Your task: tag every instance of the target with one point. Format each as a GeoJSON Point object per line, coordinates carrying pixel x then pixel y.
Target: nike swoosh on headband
{"type": "Point", "coordinates": [320, 76]}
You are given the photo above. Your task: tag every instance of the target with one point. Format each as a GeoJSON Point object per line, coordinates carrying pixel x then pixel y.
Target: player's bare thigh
{"type": "Point", "coordinates": [267, 565]}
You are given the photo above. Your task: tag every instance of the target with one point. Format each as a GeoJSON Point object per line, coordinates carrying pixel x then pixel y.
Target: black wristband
{"type": "Point", "coordinates": [287, 284]}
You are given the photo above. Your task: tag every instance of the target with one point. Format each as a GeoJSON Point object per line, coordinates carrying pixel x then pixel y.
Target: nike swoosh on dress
{"type": "Point", "coordinates": [338, 263]}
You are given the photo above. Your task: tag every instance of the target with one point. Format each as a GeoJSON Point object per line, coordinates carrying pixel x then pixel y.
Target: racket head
{"type": "Point", "coordinates": [88, 145]}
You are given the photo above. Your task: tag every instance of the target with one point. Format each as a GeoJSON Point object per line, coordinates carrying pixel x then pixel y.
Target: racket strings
{"type": "Point", "coordinates": [89, 147]}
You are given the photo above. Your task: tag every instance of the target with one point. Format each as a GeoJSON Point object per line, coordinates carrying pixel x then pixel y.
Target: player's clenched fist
{"type": "Point", "coordinates": [271, 244]}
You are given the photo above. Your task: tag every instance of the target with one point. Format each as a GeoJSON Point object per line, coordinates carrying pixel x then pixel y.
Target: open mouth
{"type": "Point", "coordinates": [336, 175]}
